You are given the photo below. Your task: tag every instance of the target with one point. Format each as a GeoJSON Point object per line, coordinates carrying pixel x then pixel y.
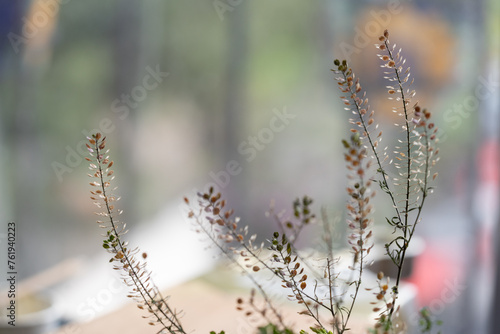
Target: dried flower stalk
{"type": "Point", "coordinates": [413, 157]}
{"type": "Point", "coordinates": [133, 271]}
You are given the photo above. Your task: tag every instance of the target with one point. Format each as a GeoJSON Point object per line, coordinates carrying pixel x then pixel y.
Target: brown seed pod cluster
{"type": "Point", "coordinates": [212, 218]}
{"type": "Point", "coordinates": [359, 208]}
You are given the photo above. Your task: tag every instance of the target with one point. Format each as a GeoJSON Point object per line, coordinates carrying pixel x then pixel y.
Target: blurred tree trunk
{"type": "Point", "coordinates": [24, 138]}
{"type": "Point", "coordinates": [478, 298]}
{"type": "Point", "coordinates": [235, 104]}
{"type": "Point", "coordinates": [127, 59]}
{"type": "Point", "coordinates": [471, 25]}
{"type": "Point", "coordinates": [10, 70]}
{"type": "Point", "coordinates": [234, 99]}
{"type": "Point", "coordinates": [469, 21]}
{"type": "Point", "coordinates": [494, 68]}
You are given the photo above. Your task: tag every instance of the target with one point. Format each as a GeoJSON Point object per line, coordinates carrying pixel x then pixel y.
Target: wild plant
{"type": "Point", "coordinates": [413, 157]}
{"type": "Point", "coordinates": [133, 270]}
{"type": "Point", "coordinates": [326, 294]}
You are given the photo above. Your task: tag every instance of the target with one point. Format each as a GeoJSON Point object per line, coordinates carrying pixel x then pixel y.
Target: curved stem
{"type": "Point", "coordinates": [134, 276]}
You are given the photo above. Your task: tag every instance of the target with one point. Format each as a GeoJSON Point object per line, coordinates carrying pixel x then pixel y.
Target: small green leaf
{"type": "Point", "coordinates": [320, 331]}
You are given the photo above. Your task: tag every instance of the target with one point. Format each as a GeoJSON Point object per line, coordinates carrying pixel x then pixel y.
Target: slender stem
{"type": "Point", "coordinates": [313, 271]}
{"type": "Point", "coordinates": [362, 217]}
{"type": "Point", "coordinates": [331, 291]}
{"type": "Point", "coordinates": [254, 281]}
{"type": "Point", "coordinates": [262, 262]}
{"type": "Point", "coordinates": [143, 290]}
{"type": "Point", "coordinates": [406, 233]}
{"type": "Point", "coordinates": [408, 143]}
{"type": "Point", "coordinates": [424, 194]}
{"type": "Point", "coordinates": [301, 293]}
{"type": "Point", "coordinates": [377, 158]}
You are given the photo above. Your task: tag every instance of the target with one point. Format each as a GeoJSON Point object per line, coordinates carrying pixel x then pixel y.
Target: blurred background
{"type": "Point", "coordinates": [239, 94]}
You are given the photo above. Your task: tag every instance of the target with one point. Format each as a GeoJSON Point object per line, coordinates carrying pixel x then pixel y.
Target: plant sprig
{"type": "Point", "coordinates": [133, 271]}
{"type": "Point", "coordinates": [413, 158]}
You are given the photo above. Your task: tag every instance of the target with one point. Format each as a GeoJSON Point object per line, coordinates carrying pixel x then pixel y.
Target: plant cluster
{"type": "Point", "coordinates": [413, 157]}
{"type": "Point", "coordinates": [326, 295]}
